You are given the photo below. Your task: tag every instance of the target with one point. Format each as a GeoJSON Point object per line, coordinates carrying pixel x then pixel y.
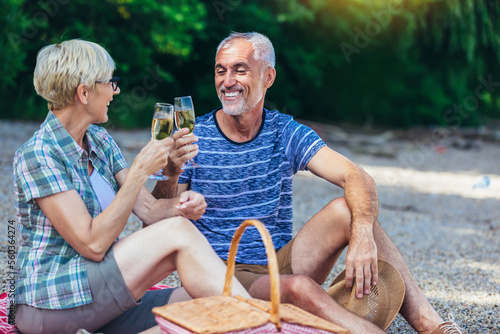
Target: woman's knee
{"type": "Point", "coordinates": [176, 223]}
{"type": "Point", "coordinates": [179, 230]}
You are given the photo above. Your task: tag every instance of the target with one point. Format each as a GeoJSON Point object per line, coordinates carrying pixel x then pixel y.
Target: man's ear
{"type": "Point", "coordinates": [269, 76]}
{"type": "Point", "coordinates": [82, 93]}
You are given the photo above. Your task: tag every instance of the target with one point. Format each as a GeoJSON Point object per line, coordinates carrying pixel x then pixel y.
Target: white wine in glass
{"type": "Point", "coordinates": [185, 118]}
{"type": "Point", "coordinates": [161, 128]}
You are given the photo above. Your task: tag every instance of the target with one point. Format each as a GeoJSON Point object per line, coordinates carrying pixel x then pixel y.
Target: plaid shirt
{"type": "Point", "coordinates": [52, 274]}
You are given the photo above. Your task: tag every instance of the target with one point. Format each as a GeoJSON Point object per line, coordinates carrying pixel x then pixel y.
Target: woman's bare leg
{"type": "Point", "coordinates": [151, 254]}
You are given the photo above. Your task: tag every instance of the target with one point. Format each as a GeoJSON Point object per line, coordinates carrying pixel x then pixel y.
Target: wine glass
{"type": "Point", "coordinates": [161, 128]}
{"type": "Point", "coordinates": [185, 118]}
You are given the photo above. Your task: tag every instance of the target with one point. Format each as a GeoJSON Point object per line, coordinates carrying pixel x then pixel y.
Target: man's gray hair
{"type": "Point", "coordinates": [262, 46]}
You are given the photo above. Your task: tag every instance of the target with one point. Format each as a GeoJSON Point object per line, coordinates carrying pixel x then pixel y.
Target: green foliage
{"type": "Point", "coordinates": [12, 56]}
{"type": "Point", "coordinates": [147, 39]}
{"type": "Point", "coordinates": [368, 62]}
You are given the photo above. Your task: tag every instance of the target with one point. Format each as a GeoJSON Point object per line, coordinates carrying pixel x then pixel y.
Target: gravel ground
{"type": "Point", "coordinates": [431, 204]}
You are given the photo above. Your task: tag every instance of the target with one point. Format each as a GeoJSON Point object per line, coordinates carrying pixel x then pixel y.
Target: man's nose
{"type": "Point", "coordinates": [229, 79]}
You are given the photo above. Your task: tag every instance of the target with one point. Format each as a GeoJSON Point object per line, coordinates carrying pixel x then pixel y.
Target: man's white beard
{"type": "Point", "coordinates": [236, 108]}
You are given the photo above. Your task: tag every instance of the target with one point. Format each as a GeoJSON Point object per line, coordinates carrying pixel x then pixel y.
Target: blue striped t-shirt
{"type": "Point", "coordinates": [250, 180]}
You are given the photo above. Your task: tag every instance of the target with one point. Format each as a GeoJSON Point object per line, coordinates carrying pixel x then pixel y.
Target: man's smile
{"type": "Point", "coordinates": [231, 95]}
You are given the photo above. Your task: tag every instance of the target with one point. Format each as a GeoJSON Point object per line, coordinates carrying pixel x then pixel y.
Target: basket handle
{"type": "Point", "coordinates": [272, 264]}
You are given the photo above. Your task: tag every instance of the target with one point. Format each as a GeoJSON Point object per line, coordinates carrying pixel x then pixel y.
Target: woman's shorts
{"type": "Point", "coordinates": [113, 309]}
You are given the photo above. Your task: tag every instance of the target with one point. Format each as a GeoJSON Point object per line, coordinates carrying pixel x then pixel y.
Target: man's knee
{"type": "Point", "coordinates": [339, 211]}
{"type": "Point", "coordinates": [296, 288]}
{"type": "Point", "coordinates": [340, 205]}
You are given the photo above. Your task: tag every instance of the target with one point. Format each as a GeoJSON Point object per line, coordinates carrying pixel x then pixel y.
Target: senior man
{"type": "Point", "coordinates": [246, 159]}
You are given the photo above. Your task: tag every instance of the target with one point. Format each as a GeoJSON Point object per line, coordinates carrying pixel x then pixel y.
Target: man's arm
{"type": "Point", "coordinates": [169, 188]}
{"type": "Point", "coordinates": [361, 196]}
{"type": "Point", "coordinates": [183, 149]}
{"type": "Point", "coordinates": [166, 189]}
{"type": "Point", "coordinates": [151, 210]}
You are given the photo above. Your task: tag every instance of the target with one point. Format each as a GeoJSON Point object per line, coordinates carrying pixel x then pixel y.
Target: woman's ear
{"type": "Point", "coordinates": [82, 94]}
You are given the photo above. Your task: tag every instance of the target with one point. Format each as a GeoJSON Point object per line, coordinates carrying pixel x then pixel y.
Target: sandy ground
{"type": "Point", "coordinates": [432, 204]}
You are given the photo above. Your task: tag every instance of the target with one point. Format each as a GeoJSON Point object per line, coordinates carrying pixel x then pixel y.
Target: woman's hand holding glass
{"type": "Point", "coordinates": [161, 128]}
{"type": "Point", "coordinates": [153, 157]}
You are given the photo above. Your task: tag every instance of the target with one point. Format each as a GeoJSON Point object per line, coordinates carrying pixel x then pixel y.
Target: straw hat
{"type": "Point", "coordinates": [383, 303]}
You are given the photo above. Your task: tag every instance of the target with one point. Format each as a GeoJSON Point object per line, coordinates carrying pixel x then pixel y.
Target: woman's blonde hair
{"type": "Point", "coordinates": [60, 68]}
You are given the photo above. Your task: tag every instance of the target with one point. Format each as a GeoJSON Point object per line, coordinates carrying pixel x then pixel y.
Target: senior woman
{"type": "Point", "coordinates": [74, 194]}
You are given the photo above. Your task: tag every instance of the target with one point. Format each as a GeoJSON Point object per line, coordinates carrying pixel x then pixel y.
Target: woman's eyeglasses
{"type": "Point", "coordinates": [114, 82]}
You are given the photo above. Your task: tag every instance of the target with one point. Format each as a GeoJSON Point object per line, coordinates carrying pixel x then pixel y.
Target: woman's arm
{"type": "Point", "coordinates": [92, 237]}
{"type": "Point", "coordinates": [150, 210]}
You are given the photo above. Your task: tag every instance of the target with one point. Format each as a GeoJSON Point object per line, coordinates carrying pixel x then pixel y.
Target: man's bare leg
{"type": "Point", "coordinates": [320, 242]}
{"type": "Point", "coordinates": [416, 309]}
{"type": "Point", "coordinates": [305, 293]}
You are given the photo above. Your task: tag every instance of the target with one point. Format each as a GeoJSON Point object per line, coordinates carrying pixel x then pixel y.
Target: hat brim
{"type": "Point", "coordinates": [382, 305]}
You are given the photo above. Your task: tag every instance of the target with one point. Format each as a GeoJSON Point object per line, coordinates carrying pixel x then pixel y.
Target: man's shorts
{"type": "Point", "coordinates": [249, 273]}
{"type": "Point", "coordinates": [113, 310]}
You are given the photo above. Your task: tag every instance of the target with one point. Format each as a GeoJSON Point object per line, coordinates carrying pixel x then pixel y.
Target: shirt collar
{"type": "Point", "coordinates": [71, 149]}
{"type": "Point", "coordinates": [94, 145]}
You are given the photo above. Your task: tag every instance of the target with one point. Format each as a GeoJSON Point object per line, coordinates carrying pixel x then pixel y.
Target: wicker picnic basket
{"type": "Point", "coordinates": [231, 315]}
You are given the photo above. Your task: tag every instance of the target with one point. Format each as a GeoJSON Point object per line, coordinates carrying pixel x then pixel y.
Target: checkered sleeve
{"type": "Point", "coordinates": [112, 155]}
{"type": "Point", "coordinates": [39, 173]}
